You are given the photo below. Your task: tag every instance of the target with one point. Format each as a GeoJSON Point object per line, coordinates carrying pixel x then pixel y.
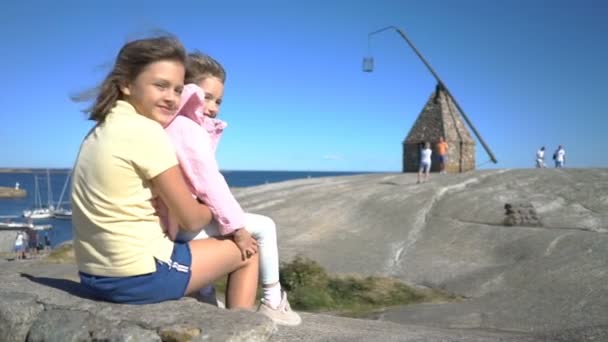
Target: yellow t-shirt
{"type": "Point", "coordinates": [116, 231]}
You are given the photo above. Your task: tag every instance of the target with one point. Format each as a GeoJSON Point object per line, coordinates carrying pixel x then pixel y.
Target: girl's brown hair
{"type": "Point", "coordinates": [132, 58]}
{"type": "Point", "coordinates": [200, 66]}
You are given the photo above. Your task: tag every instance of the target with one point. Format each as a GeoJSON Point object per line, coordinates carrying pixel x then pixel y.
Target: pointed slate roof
{"type": "Point", "coordinates": [439, 118]}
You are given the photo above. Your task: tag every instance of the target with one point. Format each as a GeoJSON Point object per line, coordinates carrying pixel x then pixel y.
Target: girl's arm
{"type": "Point", "coordinates": [172, 226]}
{"type": "Point", "coordinates": [197, 160]}
{"type": "Point", "coordinates": [168, 221]}
{"type": "Point", "coordinates": [189, 213]}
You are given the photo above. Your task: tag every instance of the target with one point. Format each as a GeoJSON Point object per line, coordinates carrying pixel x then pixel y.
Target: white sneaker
{"type": "Point", "coordinates": [282, 314]}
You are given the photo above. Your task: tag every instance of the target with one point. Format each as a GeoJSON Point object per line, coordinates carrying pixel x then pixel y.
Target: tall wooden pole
{"type": "Point", "coordinates": [439, 82]}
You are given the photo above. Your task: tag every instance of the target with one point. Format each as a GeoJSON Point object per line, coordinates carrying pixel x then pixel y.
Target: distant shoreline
{"type": "Point", "coordinates": [31, 170]}
{"type": "Point", "coordinates": [43, 169]}
{"type": "Point", "coordinates": [12, 192]}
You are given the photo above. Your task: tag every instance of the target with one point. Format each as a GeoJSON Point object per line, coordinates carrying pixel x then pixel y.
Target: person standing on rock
{"type": "Point", "coordinates": [32, 237]}
{"type": "Point", "coordinates": [195, 133]}
{"type": "Point", "coordinates": [560, 157]}
{"type": "Point", "coordinates": [540, 157]}
{"type": "Point", "coordinates": [442, 151]}
{"type": "Point", "coordinates": [425, 162]}
{"type": "Point", "coordinates": [125, 164]}
{"type": "Point", "coordinates": [47, 241]}
{"type": "Point", "coordinates": [20, 245]}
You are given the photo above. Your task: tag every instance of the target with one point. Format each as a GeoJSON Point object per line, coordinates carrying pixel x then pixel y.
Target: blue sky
{"type": "Point", "coordinates": [527, 73]}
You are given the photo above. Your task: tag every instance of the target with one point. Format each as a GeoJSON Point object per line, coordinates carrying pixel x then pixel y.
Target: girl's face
{"type": "Point", "coordinates": [214, 90]}
{"type": "Point", "coordinates": [155, 92]}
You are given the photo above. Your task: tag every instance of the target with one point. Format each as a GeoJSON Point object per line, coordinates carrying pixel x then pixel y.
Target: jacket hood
{"type": "Point", "coordinates": [192, 106]}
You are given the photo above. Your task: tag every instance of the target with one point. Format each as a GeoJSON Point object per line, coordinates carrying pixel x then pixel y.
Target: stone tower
{"type": "Point", "coordinates": [440, 118]}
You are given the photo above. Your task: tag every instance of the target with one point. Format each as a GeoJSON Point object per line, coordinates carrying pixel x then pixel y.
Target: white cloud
{"type": "Point", "coordinates": [333, 157]}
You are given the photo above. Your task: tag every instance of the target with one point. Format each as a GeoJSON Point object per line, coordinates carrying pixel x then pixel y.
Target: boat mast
{"type": "Point", "coordinates": [65, 186]}
{"type": "Point", "coordinates": [37, 197]}
{"type": "Point", "coordinates": [49, 192]}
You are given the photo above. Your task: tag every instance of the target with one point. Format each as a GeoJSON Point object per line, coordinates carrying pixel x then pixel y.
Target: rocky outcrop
{"type": "Point", "coordinates": [520, 283]}
{"type": "Point", "coordinates": [41, 301]}
{"type": "Point", "coordinates": [544, 275]}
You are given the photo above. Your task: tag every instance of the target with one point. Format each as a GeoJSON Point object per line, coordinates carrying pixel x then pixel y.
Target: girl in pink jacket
{"type": "Point", "coordinates": [195, 132]}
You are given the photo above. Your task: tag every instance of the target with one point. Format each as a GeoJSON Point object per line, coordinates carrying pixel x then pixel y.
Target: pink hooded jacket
{"type": "Point", "coordinates": [195, 138]}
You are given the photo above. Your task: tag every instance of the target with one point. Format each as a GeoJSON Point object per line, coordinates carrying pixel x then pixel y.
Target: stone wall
{"type": "Point", "coordinates": [460, 158]}
{"type": "Point", "coordinates": [12, 192]}
{"type": "Point", "coordinates": [7, 240]}
{"type": "Point", "coordinates": [440, 118]}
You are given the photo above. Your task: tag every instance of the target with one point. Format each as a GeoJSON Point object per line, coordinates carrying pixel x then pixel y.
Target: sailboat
{"type": "Point", "coordinates": [60, 212]}
{"type": "Point", "coordinates": [40, 212]}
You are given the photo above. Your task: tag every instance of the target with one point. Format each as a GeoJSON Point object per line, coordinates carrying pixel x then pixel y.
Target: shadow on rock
{"type": "Point", "coordinates": [389, 183]}
{"type": "Point", "coordinates": [69, 286]}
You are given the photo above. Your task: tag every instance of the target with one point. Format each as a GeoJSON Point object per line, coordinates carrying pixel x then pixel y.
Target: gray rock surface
{"type": "Point", "coordinates": [317, 327]}
{"type": "Point", "coordinates": [521, 283]}
{"type": "Point", "coordinates": [41, 301]}
{"type": "Point", "coordinates": [449, 234]}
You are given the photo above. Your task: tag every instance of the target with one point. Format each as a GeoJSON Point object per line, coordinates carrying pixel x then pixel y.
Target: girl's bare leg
{"type": "Point", "coordinates": [213, 258]}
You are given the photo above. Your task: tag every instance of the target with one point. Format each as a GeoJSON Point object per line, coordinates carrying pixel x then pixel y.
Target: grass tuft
{"type": "Point", "coordinates": [62, 254]}
{"type": "Point", "coordinates": [311, 289]}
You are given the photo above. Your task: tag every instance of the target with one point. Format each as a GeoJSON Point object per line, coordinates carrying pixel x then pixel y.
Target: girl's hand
{"type": "Point", "coordinates": [246, 243]}
{"type": "Point", "coordinates": [170, 226]}
{"type": "Point", "coordinates": [168, 222]}
{"type": "Point", "coordinates": [156, 204]}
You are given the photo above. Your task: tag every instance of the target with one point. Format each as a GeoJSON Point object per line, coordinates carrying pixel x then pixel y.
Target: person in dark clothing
{"type": "Point", "coordinates": [47, 241]}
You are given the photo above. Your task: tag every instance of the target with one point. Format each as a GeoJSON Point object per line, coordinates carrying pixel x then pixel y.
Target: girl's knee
{"type": "Point", "coordinates": [252, 260]}
{"type": "Point", "coordinates": [261, 225]}
{"type": "Point", "coordinates": [267, 225]}
{"type": "Point", "coordinates": [268, 230]}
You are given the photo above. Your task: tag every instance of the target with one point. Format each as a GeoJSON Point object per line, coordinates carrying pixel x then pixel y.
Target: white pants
{"type": "Point", "coordinates": [263, 229]}
{"type": "Point", "coordinates": [540, 163]}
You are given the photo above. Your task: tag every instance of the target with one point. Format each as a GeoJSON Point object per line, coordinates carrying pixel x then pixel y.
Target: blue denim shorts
{"type": "Point", "coordinates": [169, 282]}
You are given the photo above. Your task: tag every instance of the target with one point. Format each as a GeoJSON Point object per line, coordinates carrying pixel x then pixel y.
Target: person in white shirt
{"type": "Point", "coordinates": [20, 243]}
{"type": "Point", "coordinates": [540, 157]}
{"type": "Point", "coordinates": [425, 162]}
{"type": "Point", "coordinates": [560, 157]}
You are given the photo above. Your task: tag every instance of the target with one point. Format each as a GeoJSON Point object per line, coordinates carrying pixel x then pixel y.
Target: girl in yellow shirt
{"type": "Point", "coordinates": [124, 164]}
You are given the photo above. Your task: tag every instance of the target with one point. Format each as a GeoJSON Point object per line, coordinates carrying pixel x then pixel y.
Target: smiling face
{"type": "Point", "coordinates": [155, 92]}
{"type": "Point", "coordinates": [214, 91]}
